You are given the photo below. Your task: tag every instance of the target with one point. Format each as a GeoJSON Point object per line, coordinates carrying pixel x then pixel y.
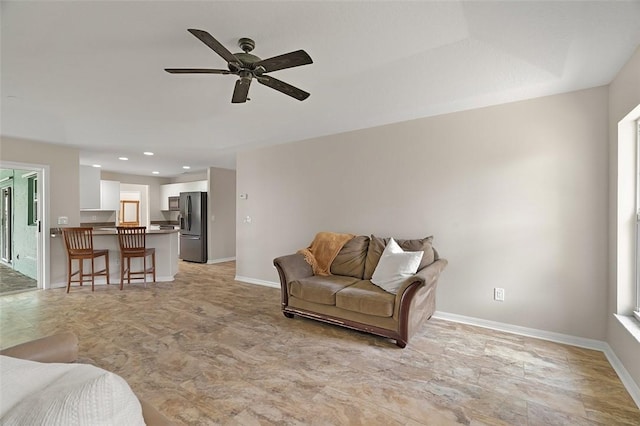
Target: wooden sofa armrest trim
{"type": "Point", "coordinates": [62, 347]}
{"type": "Point", "coordinates": [427, 276]}
{"type": "Point", "coordinates": [425, 281]}
{"type": "Point", "coordinates": [290, 267]}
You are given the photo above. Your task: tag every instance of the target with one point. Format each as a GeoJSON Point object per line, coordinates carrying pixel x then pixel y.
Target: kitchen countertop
{"type": "Point", "coordinates": [112, 231]}
{"type": "Point", "coordinates": [166, 243]}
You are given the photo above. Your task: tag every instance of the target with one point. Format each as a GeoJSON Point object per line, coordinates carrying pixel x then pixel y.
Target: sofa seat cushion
{"type": "Point", "coordinates": [366, 298]}
{"type": "Point", "coordinates": [320, 289]}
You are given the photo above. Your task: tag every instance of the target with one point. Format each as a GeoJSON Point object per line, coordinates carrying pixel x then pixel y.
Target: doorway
{"type": "Point", "coordinates": [23, 263]}
{"type": "Point", "coordinates": [132, 194]}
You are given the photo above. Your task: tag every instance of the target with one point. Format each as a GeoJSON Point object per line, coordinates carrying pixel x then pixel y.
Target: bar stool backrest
{"type": "Point", "coordinates": [79, 240]}
{"type": "Point", "coordinates": [132, 239]}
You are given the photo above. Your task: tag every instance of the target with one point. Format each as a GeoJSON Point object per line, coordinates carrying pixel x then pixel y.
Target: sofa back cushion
{"type": "Point", "coordinates": [377, 245]}
{"type": "Point", "coordinates": [351, 259]}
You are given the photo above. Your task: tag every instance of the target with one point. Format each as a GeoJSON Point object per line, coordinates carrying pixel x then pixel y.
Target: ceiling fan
{"type": "Point", "coordinates": [248, 66]}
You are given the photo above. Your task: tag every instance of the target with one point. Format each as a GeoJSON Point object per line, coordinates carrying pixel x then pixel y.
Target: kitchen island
{"type": "Point", "coordinates": [165, 241]}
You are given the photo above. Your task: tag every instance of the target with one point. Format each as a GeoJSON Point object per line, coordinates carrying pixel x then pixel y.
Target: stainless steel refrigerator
{"type": "Point", "coordinates": [193, 226]}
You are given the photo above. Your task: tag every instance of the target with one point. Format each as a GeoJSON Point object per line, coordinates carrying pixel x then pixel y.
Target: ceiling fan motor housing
{"type": "Point", "coordinates": [245, 58]}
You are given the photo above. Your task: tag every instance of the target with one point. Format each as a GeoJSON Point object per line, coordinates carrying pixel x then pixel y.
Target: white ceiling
{"type": "Point", "coordinates": [90, 74]}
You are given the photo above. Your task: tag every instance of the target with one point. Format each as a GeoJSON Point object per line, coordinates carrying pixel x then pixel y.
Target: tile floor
{"type": "Point", "coordinates": [208, 350]}
{"type": "Point", "coordinates": [13, 281]}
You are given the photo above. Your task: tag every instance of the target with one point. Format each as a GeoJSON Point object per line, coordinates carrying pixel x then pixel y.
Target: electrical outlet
{"type": "Point", "coordinates": [498, 294]}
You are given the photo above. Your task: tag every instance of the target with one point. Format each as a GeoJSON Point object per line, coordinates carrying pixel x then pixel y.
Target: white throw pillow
{"type": "Point", "coordinates": [34, 393]}
{"type": "Point", "coordinates": [395, 266]}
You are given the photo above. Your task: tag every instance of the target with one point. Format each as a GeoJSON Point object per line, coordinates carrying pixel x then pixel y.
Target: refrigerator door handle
{"type": "Point", "coordinates": [189, 212]}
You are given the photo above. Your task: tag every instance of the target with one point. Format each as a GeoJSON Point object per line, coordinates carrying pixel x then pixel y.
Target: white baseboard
{"type": "Point", "coordinates": [257, 282]}
{"type": "Point", "coordinates": [224, 259]}
{"type": "Point", "coordinates": [524, 331]}
{"type": "Point", "coordinates": [625, 377]}
{"type": "Point", "coordinates": [598, 345]}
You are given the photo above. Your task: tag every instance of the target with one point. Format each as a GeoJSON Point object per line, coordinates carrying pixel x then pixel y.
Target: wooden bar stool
{"type": "Point", "coordinates": [132, 241]}
{"type": "Point", "coordinates": [79, 243]}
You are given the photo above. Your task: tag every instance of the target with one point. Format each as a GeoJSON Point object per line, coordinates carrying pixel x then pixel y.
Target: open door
{"type": "Point", "coordinates": [6, 214]}
{"type": "Point", "coordinates": [23, 217]}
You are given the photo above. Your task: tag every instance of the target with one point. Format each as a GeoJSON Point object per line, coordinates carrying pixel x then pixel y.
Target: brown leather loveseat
{"type": "Point", "coordinates": [348, 298]}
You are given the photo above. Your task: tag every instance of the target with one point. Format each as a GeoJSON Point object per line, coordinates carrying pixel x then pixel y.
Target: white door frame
{"type": "Point", "coordinates": [43, 262]}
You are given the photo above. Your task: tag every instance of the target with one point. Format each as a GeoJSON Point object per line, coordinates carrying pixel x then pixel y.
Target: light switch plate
{"type": "Point", "coordinates": [63, 220]}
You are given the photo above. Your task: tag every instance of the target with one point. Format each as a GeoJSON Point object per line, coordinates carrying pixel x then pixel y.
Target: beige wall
{"type": "Point", "coordinates": [515, 195]}
{"type": "Point", "coordinates": [64, 188]}
{"type": "Point", "coordinates": [222, 214]}
{"type": "Point", "coordinates": [624, 96]}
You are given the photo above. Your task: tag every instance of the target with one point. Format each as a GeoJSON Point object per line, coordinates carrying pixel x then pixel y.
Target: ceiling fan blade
{"type": "Point", "coordinates": [215, 45]}
{"type": "Point", "coordinates": [241, 91]}
{"type": "Point", "coordinates": [288, 60]}
{"type": "Point", "coordinates": [283, 87]}
{"type": "Point", "coordinates": [195, 71]}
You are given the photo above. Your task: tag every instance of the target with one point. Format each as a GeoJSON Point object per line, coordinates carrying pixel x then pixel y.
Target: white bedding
{"type": "Point", "coordinates": [34, 393]}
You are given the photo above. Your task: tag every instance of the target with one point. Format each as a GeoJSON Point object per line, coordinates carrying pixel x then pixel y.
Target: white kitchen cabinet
{"type": "Point", "coordinates": [199, 185]}
{"type": "Point", "coordinates": [166, 191]}
{"type": "Point", "coordinates": [96, 194]}
{"type": "Point", "coordinates": [109, 195]}
{"type": "Point", "coordinates": [174, 190]}
{"type": "Point", "coordinates": [89, 187]}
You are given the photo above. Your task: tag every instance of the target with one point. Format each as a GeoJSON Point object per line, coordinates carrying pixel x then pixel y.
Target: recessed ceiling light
{"type": "Point", "coordinates": [148, 153]}
{"type": "Point", "coordinates": [123, 158]}
{"type": "Point", "coordinates": [155, 172]}
{"type": "Point", "coordinates": [97, 165]}
{"type": "Point", "coordinates": [186, 167]}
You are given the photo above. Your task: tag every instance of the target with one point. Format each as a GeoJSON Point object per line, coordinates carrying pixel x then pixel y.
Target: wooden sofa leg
{"type": "Point", "coordinates": [401, 344]}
